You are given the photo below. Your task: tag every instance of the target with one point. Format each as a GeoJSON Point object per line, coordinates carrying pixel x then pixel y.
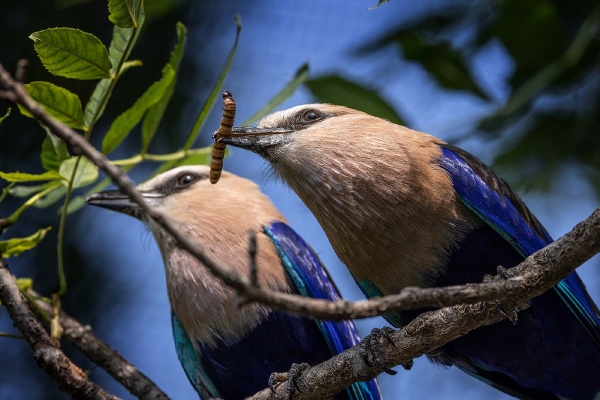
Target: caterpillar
{"type": "Point", "coordinates": [218, 151]}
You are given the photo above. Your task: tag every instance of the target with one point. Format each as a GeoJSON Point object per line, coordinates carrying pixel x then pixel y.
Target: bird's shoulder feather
{"type": "Point", "coordinates": [492, 199]}
{"type": "Point", "coordinates": [188, 357]}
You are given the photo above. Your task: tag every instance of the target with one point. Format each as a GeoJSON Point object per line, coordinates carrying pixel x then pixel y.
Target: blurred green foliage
{"type": "Point", "coordinates": [336, 90]}
{"type": "Point", "coordinates": [549, 119]}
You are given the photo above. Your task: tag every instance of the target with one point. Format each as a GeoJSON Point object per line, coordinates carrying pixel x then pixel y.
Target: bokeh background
{"type": "Point", "coordinates": [514, 82]}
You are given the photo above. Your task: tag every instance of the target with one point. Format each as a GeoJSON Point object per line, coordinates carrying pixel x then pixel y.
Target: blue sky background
{"type": "Point", "coordinates": [277, 37]}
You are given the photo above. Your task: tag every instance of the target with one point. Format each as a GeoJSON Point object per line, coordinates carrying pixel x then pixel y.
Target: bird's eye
{"type": "Point", "coordinates": [186, 180]}
{"type": "Point", "coordinates": [311, 116]}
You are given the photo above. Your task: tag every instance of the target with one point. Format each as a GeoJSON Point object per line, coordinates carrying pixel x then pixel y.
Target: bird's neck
{"type": "Point", "coordinates": [390, 212]}
{"type": "Point", "coordinates": [207, 308]}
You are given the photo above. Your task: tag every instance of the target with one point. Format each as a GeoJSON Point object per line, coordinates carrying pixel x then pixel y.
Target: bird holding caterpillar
{"type": "Point", "coordinates": [403, 208]}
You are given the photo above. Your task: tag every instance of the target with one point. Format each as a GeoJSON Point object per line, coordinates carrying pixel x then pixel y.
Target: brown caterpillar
{"type": "Point", "coordinates": [218, 151]}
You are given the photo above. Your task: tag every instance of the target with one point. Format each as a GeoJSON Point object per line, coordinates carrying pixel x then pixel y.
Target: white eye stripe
{"type": "Point", "coordinates": [152, 195]}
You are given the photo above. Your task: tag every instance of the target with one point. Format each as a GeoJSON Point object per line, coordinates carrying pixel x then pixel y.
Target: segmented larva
{"type": "Point", "coordinates": [218, 151]}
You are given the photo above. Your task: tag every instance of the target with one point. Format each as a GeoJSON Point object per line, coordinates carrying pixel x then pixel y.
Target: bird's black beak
{"type": "Point", "coordinates": [117, 201]}
{"type": "Point", "coordinates": [258, 140]}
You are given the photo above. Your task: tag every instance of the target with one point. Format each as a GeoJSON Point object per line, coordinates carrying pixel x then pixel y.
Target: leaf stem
{"type": "Point", "coordinates": [178, 155]}
{"type": "Point", "coordinates": [61, 231]}
{"type": "Point", "coordinates": [10, 335]}
{"type": "Point", "coordinates": [34, 304]}
{"type": "Point", "coordinates": [5, 191]}
{"type": "Point", "coordinates": [113, 81]}
{"type": "Point", "coordinates": [210, 101]}
{"type": "Point", "coordinates": [14, 217]}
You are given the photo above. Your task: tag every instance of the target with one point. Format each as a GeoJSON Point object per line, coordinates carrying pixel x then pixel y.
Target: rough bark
{"type": "Point", "coordinates": [69, 378]}
{"type": "Point", "coordinates": [100, 353]}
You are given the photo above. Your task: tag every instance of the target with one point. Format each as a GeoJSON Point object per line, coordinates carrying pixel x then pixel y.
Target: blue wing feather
{"type": "Point", "coordinates": [495, 203]}
{"type": "Point", "coordinates": [311, 279]}
{"type": "Point", "coordinates": [188, 357]}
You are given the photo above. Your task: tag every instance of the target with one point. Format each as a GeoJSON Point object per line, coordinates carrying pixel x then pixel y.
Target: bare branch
{"type": "Point", "coordinates": [48, 357]}
{"type": "Point", "coordinates": [104, 356]}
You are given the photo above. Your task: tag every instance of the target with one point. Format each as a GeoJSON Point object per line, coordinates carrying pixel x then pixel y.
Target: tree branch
{"type": "Point", "coordinates": [48, 357]}
{"type": "Point", "coordinates": [104, 356]}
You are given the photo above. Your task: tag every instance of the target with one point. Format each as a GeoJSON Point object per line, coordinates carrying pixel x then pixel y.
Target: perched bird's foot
{"type": "Point", "coordinates": [512, 316]}
{"type": "Point", "coordinates": [370, 346]}
{"type": "Point", "coordinates": [291, 377]}
{"type": "Point", "coordinates": [275, 378]}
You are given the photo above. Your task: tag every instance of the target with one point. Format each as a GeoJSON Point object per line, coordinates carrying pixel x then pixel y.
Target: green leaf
{"type": "Point", "coordinates": [95, 105]}
{"type": "Point", "coordinates": [122, 42]}
{"type": "Point", "coordinates": [71, 53]}
{"type": "Point", "coordinates": [86, 173]}
{"type": "Point", "coordinates": [210, 101]}
{"type": "Point", "coordinates": [196, 159]}
{"type": "Point", "coordinates": [5, 115]}
{"type": "Point", "coordinates": [122, 13]}
{"type": "Point", "coordinates": [541, 22]}
{"type": "Point", "coordinates": [336, 90]}
{"type": "Point", "coordinates": [25, 283]}
{"type": "Point", "coordinates": [80, 200]}
{"type": "Point", "coordinates": [58, 102]}
{"type": "Point", "coordinates": [75, 204]}
{"type": "Point", "coordinates": [23, 177]}
{"type": "Point", "coordinates": [54, 151]}
{"type": "Point", "coordinates": [156, 112]}
{"type": "Point", "coordinates": [51, 197]}
{"type": "Point", "coordinates": [26, 191]}
{"type": "Point", "coordinates": [299, 78]}
{"type": "Point", "coordinates": [441, 60]}
{"type": "Point", "coordinates": [16, 246]}
{"type": "Point", "coordinates": [202, 158]}
{"type": "Point", "coordinates": [125, 122]}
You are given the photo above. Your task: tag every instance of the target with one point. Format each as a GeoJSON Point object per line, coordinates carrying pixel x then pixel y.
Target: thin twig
{"type": "Point", "coordinates": [48, 357]}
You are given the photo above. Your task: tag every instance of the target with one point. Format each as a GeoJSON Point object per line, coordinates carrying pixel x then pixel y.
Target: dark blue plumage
{"type": "Point", "coordinates": [238, 370]}
{"type": "Point", "coordinates": [554, 345]}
